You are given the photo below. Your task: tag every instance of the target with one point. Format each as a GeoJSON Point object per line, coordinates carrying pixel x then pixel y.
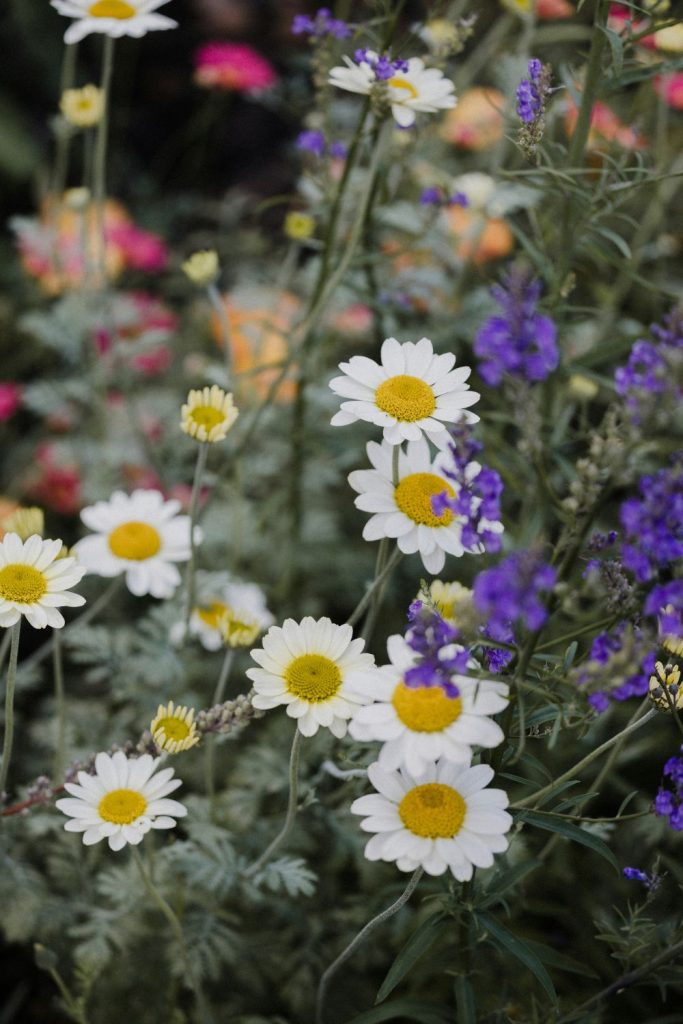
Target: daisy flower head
{"type": "Point", "coordinates": [208, 414]}
{"type": "Point", "coordinates": [444, 818]}
{"type": "Point", "coordinates": [35, 581]}
{"type": "Point", "coordinates": [312, 667]}
{"type": "Point", "coordinates": [122, 801]}
{"type": "Point", "coordinates": [113, 18]}
{"type": "Point", "coordinates": [412, 392]}
{"type": "Point", "coordinates": [138, 534]}
{"type": "Point", "coordinates": [82, 108]}
{"type": "Point", "coordinates": [452, 601]}
{"type": "Point", "coordinates": [173, 728]}
{"type": "Point", "coordinates": [403, 509]}
{"type": "Point", "coordinates": [232, 614]}
{"type": "Point", "coordinates": [410, 87]}
{"type": "Point", "coordinates": [418, 725]}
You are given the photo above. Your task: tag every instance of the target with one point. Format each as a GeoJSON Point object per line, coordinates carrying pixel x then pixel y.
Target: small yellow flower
{"type": "Point", "coordinates": [82, 108]}
{"type": "Point", "coordinates": [209, 414]}
{"type": "Point", "coordinates": [670, 39]}
{"type": "Point", "coordinates": [173, 728]}
{"type": "Point", "coordinates": [77, 199]}
{"type": "Point", "coordinates": [238, 631]}
{"type": "Point", "coordinates": [665, 689]}
{"type": "Point", "coordinates": [25, 522]}
{"type": "Point", "coordinates": [202, 267]}
{"type": "Point", "coordinates": [582, 387]}
{"type": "Point", "coordinates": [452, 601]}
{"type": "Point", "coordinates": [299, 226]}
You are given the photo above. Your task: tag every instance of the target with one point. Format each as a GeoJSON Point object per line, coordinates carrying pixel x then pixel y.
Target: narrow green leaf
{"type": "Point", "coordinates": [405, 1009]}
{"type": "Point", "coordinates": [509, 943]}
{"type": "Point", "coordinates": [616, 240]}
{"type": "Point", "coordinates": [569, 831]}
{"type": "Point", "coordinates": [565, 963]}
{"type": "Point", "coordinates": [418, 944]}
{"type": "Point", "coordinates": [569, 656]}
{"type": "Point", "coordinates": [465, 1001]}
{"type": "Point", "coordinates": [506, 878]}
{"type": "Point", "coordinates": [617, 47]}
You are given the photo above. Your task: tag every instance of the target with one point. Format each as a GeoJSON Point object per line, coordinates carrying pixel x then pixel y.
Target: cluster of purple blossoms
{"type": "Point", "coordinates": [653, 523]}
{"type": "Point", "coordinates": [636, 875]}
{"type": "Point", "coordinates": [435, 641]}
{"type": "Point", "coordinates": [436, 196]}
{"type": "Point", "coordinates": [382, 64]}
{"type": "Point", "coordinates": [497, 658]}
{"type": "Point", "coordinates": [511, 591]}
{"type": "Point", "coordinates": [323, 24]}
{"type": "Point", "coordinates": [604, 647]}
{"type": "Point", "coordinates": [316, 143]}
{"type": "Point", "coordinates": [669, 802]}
{"type": "Point", "coordinates": [651, 368]}
{"type": "Point", "coordinates": [666, 602]}
{"type": "Point", "coordinates": [477, 492]}
{"type": "Point", "coordinates": [521, 342]}
{"type": "Point", "coordinates": [531, 93]}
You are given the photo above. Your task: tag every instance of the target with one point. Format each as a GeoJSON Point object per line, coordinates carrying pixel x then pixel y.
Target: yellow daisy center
{"type": "Point", "coordinates": [405, 398]}
{"type": "Point", "coordinates": [401, 83]}
{"type": "Point", "coordinates": [135, 541]}
{"type": "Point", "coordinates": [425, 708]}
{"type": "Point", "coordinates": [433, 811]}
{"type": "Point", "coordinates": [112, 9]}
{"type": "Point", "coordinates": [414, 498]}
{"type": "Point", "coordinates": [313, 677]}
{"type": "Point", "coordinates": [22, 583]}
{"type": "Point", "coordinates": [174, 728]}
{"type": "Point", "coordinates": [212, 614]}
{"type": "Point", "coordinates": [122, 806]}
{"type": "Point", "coordinates": [207, 416]}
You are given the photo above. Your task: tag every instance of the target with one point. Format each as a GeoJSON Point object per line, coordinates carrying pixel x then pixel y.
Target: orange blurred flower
{"type": "Point", "coordinates": [606, 127]}
{"type": "Point", "coordinates": [479, 237]}
{"type": "Point", "coordinates": [547, 10]}
{"type": "Point", "coordinates": [477, 123]}
{"type": "Point", "coordinates": [7, 508]}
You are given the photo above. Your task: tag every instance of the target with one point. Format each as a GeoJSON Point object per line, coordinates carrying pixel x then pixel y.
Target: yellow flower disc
{"type": "Point", "coordinates": [212, 614]}
{"type": "Point", "coordinates": [414, 498]}
{"type": "Point", "coordinates": [401, 83]}
{"type": "Point", "coordinates": [22, 583]}
{"type": "Point", "coordinates": [405, 398]}
{"type": "Point", "coordinates": [122, 806]}
{"type": "Point", "coordinates": [313, 677]}
{"type": "Point", "coordinates": [207, 416]}
{"type": "Point", "coordinates": [174, 728]}
{"type": "Point", "coordinates": [425, 708]}
{"type": "Point", "coordinates": [112, 9]}
{"type": "Point", "coordinates": [433, 811]}
{"type": "Point", "coordinates": [135, 541]}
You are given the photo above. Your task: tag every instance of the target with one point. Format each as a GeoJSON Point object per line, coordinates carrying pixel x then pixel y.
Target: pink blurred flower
{"type": "Point", "coordinates": [138, 316]}
{"type": "Point", "coordinates": [233, 66]}
{"type": "Point", "coordinates": [548, 10]}
{"type": "Point", "coordinates": [153, 362]}
{"type": "Point", "coordinates": [619, 14]}
{"type": "Point", "coordinates": [670, 88]}
{"type": "Point", "coordinates": [142, 249]}
{"type": "Point", "coordinates": [59, 485]}
{"type": "Point", "coordinates": [10, 400]}
{"type": "Point", "coordinates": [355, 319]}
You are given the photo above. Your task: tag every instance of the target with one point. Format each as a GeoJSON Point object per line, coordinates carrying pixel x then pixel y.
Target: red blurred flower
{"type": "Point", "coordinates": [235, 67]}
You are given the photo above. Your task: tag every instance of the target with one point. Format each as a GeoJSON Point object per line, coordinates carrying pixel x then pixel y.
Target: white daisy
{"type": "Point", "coordinates": [208, 414]}
{"type": "Point", "coordinates": [122, 801]}
{"type": "Point", "coordinates": [419, 725]}
{"type": "Point", "coordinates": [404, 510]}
{"type": "Point", "coordinates": [112, 17]}
{"type": "Point", "coordinates": [310, 666]}
{"type": "Point", "coordinates": [233, 613]}
{"type": "Point", "coordinates": [35, 581]}
{"type": "Point", "coordinates": [416, 90]}
{"type": "Point", "coordinates": [444, 818]}
{"type": "Point", "coordinates": [139, 534]}
{"type": "Point", "coordinates": [411, 392]}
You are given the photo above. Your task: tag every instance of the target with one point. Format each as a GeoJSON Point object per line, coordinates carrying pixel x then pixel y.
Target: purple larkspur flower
{"type": "Point", "coordinates": [653, 523]}
{"type": "Point", "coordinates": [477, 496]}
{"type": "Point", "coordinates": [653, 368]}
{"type": "Point", "coordinates": [511, 591]}
{"type": "Point", "coordinates": [530, 93]}
{"type": "Point", "coordinates": [338, 150]}
{"type": "Point", "coordinates": [498, 658]}
{"type": "Point", "coordinates": [432, 196]}
{"type": "Point", "coordinates": [435, 642]}
{"type": "Point", "coordinates": [311, 142]}
{"type": "Point", "coordinates": [322, 24]}
{"type": "Point", "coordinates": [521, 342]}
{"type": "Point", "coordinates": [636, 875]}
{"type": "Point", "coordinates": [668, 802]}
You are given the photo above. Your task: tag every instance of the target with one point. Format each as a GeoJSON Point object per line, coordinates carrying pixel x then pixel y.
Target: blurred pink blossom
{"type": "Point", "coordinates": [10, 400]}
{"type": "Point", "coordinates": [233, 66]}
{"type": "Point", "coordinates": [670, 88]}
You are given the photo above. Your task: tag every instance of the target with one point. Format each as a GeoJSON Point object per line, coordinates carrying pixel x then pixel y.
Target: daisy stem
{"type": "Point", "coordinates": [58, 671]}
{"type": "Point", "coordinates": [383, 916]}
{"type": "Point", "coordinates": [377, 581]}
{"type": "Point", "coordinates": [291, 808]}
{"type": "Point", "coordinates": [200, 466]}
{"type": "Point", "coordinates": [211, 740]}
{"type": "Point", "coordinates": [4, 647]}
{"type": "Point", "coordinates": [9, 704]}
{"type": "Point", "coordinates": [219, 309]}
{"type": "Point", "coordinates": [100, 170]}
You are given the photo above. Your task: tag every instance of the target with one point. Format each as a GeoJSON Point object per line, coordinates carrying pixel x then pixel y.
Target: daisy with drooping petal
{"type": "Point", "coordinates": [113, 18]}
{"type": "Point", "coordinates": [122, 801]}
{"type": "Point", "coordinates": [139, 534]}
{"type": "Point", "coordinates": [404, 510]}
{"type": "Point", "coordinates": [209, 414]}
{"type": "Point", "coordinates": [420, 724]}
{"type": "Point", "coordinates": [231, 614]}
{"type": "Point", "coordinates": [310, 666]}
{"type": "Point", "coordinates": [35, 581]}
{"type": "Point", "coordinates": [411, 87]}
{"type": "Point", "coordinates": [443, 819]}
{"type": "Point", "coordinates": [411, 392]}
{"type": "Point", "coordinates": [173, 728]}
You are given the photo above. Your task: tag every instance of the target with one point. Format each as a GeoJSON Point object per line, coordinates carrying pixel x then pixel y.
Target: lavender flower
{"type": "Point", "coordinates": [666, 602]}
{"type": "Point", "coordinates": [530, 93]}
{"type": "Point", "coordinates": [636, 875]}
{"type": "Point", "coordinates": [323, 24]}
{"type": "Point", "coordinates": [511, 591]}
{"type": "Point", "coordinates": [382, 64]}
{"type": "Point", "coordinates": [521, 342]}
{"type": "Point", "coordinates": [614, 655]}
{"type": "Point", "coordinates": [435, 196]}
{"type": "Point", "coordinates": [430, 636]}
{"type": "Point", "coordinates": [653, 370]}
{"type": "Point", "coordinates": [338, 150]}
{"type": "Point", "coordinates": [311, 142]}
{"type": "Point", "coordinates": [653, 523]}
{"type": "Point", "coordinates": [669, 801]}
{"type": "Point", "coordinates": [477, 493]}
{"type": "Point", "coordinates": [498, 658]}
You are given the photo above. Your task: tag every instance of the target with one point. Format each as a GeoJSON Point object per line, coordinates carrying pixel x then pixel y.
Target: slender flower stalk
{"type": "Point", "coordinates": [291, 808]}
{"type": "Point", "coordinates": [9, 704]}
{"type": "Point", "coordinates": [219, 308]}
{"type": "Point", "coordinates": [358, 940]}
{"type": "Point", "coordinates": [219, 693]}
{"type": "Point", "coordinates": [100, 161]}
{"type": "Point", "coordinates": [200, 466]}
{"type": "Point", "coordinates": [58, 672]}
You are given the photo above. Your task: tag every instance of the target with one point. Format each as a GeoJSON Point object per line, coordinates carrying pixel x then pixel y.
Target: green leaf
{"type": "Point", "coordinates": [465, 1001]}
{"type": "Point", "coordinates": [617, 47]}
{"type": "Point", "coordinates": [506, 878]}
{"type": "Point", "coordinates": [405, 1009]}
{"type": "Point", "coordinates": [418, 944]}
{"type": "Point", "coordinates": [616, 239]}
{"type": "Point", "coordinates": [565, 963]}
{"type": "Point", "coordinates": [510, 943]}
{"type": "Point", "coordinates": [569, 831]}
{"type": "Point", "coordinates": [569, 656]}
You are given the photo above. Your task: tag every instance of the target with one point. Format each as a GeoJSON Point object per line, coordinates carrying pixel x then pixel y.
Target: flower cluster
{"type": "Point", "coordinates": [321, 25]}
{"type": "Point", "coordinates": [653, 523]}
{"type": "Point", "coordinates": [407, 87]}
{"type": "Point", "coordinates": [669, 801]}
{"type": "Point", "coordinates": [622, 656]}
{"type": "Point", "coordinates": [666, 602]}
{"type": "Point", "coordinates": [435, 196]}
{"type": "Point", "coordinates": [439, 655]}
{"type": "Point", "coordinates": [532, 94]}
{"type": "Point", "coordinates": [511, 591]}
{"type": "Point", "coordinates": [520, 342]}
{"type": "Point", "coordinates": [652, 379]}
{"type": "Point", "coordinates": [477, 493]}
{"type": "Point", "coordinates": [316, 143]}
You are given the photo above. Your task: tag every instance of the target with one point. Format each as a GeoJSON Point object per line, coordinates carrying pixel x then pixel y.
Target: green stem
{"type": "Point", "coordinates": [9, 704]}
{"type": "Point", "coordinates": [358, 940]}
{"type": "Point", "coordinates": [376, 594]}
{"type": "Point", "coordinates": [291, 808]}
{"type": "Point", "coordinates": [576, 633]}
{"type": "Point", "coordinates": [199, 468]}
{"type": "Point", "coordinates": [100, 168]}
{"type": "Point", "coordinates": [58, 670]}
{"type": "Point", "coordinates": [370, 592]}
{"type": "Point", "coordinates": [209, 764]}
{"type": "Point", "coordinates": [219, 309]}
{"type": "Point", "coordinates": [4, 647]}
